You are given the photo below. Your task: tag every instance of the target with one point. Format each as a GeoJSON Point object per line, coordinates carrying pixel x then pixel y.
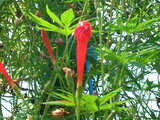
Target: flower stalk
{"type": "Point", "coordinates": [83, 34]}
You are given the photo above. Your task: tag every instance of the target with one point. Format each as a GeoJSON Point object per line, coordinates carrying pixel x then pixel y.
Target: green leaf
{"type": "Point", "coordinates": [111, 55]}
{"type": "Point", "coordinates": [108, 96]}
{"type": "Point", "coordinates": [145, 24]}
{"type": "Point", "coordinates": [70, 1]}
{"type": "Point", "coordinates": [139, 65]}
{"type": "Point", "coordinates": [90, 102]}
{"type": "Point", "coordinates": [114, 108]}
{"type": "Point", "coordinates": [131, 26]}
{"type": "Point", "coordinates": [132, 22]}
{"type": "Point", "coordinates": [46, 24]}
{"type": "Point", "coordinates": [63, 103]}
{"type": "Point", "coordinates": [67, 16]}
{"type": "Point", "coordinates": [112, 105]}
{"type": "Point", "coordinates": [53, 16]}
{"type": "Point", "coordinates": [65, 97]}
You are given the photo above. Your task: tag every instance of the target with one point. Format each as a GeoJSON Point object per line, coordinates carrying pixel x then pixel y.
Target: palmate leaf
{"type": "Point", "coordinates": [144, 55]}
{"type": "Point", "coordinates": [109, 54]}
{"type": "Point", "coordinates": [131, 25]}
{"type": "Point", "coordinates": [47, 25]}
{"type": "Point", "coordinates": [67, 16]}
{"type": "Point", "coordinates": [53, 16]}
{"type": "Point", "coordinates": [88, 102]}
{"type": "Point", "coordinates": [132, 22]}
{"type": "Point", "coordinates": [66, 19]}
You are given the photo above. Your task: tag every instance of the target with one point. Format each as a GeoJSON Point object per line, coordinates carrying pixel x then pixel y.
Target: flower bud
{"type": "Point", "coordinates": [72, 6]}
{"type": "Point", "coordinates": [18, 21]}
{"type": "Point", "coordinates": [69, 76]}
{"type": "Point", "coordinates": [38, 13]}
{"type": "Point", "coordinates": [110, 41]}
{"type": "Point", "coordinates": [47, 86]}
{"type": "Point", "coordinates": [59, 42]}
{"type": "Point", "coordinates": [68, 73]}
{"type": "Point", "coordinates": [58, 113]}
{"type": "Point", "coordinates": [79, 13]}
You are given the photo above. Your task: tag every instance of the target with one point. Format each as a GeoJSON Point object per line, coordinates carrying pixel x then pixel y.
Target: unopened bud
{"type": "Point", "coordinates": [58, 113]}
{"type": "Point", "coordinates": [69, 76]}
{"type": "Point", "coordinates": [68, 73]}
{"type": "Point", "coordinates": [47, 86]}
{"type": "Point", "coordinates": [72, 6]}
{"type": "Point", "coordinates": [18, 21]}
{"type": "Point", "coordinates": [79, 13]}
{"type": "Point", "coordinates": [59, 42]}
{"type": "Point", "coordinates": [38, 13]}
{"type": "Point", "coordinates": [110, 41]}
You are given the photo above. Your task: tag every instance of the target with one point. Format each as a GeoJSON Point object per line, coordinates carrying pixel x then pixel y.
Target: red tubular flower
{"type": "Point", "coordinates": [47, 44]}
{"type": "Point", "coordinates": [83, 34]}
{"type": "Point", "coordinates": [5, 74]}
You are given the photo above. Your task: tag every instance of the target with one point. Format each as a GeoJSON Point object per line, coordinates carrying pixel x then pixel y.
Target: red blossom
{"type": "Point", "coordinates": [47, 44]}
{"type": "Point", "coordinates": [83, 34]}
{"type": "Point", "coordinates": [5, 74]}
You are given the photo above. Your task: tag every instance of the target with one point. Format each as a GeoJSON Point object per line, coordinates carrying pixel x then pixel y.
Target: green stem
{"type": "Point", "coordinates": [100, 21]}
{"type": "Point", "coordinates": [78, 98]}
{"type": "Point", "coordinates": [1, 113]}
{"type": "Point", "coordinates": [49, 97]}
{"type": "Point", "coordinates": [18, 93]}
{"type": "Point", "coordinates": [67, 55]}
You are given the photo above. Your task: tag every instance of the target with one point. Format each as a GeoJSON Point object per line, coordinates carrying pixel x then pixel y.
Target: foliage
{"type": "Point", "coordinates": [125, 39]}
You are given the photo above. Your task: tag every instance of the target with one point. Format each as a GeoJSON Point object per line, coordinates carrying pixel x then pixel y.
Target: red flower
{"type": "Point", "coordinates": [5, 74]}
{"type": "Point", "coordinates": [47, 44]}
{"type": "Point", "coordinates": [83, 34]}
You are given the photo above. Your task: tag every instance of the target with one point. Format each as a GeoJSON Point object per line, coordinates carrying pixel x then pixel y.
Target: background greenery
{"type": "Point", "coordinates": [125, 37]}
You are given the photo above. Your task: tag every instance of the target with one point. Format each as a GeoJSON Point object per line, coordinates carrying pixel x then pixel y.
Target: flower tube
{"type": "Point", "coordinates": [83, 34]}
{"type": "Point", "coordinates": [5, 74]}
{"type": "Point", "coordinates": [47, 44]}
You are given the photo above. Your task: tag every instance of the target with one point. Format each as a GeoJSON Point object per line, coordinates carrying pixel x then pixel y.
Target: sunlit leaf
{"type": "Point", "coordinates": [67, 16]}
{"type": "Point", "coordinates": [53, 16]}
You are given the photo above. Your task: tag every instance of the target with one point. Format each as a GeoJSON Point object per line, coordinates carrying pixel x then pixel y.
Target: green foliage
{"type": "Point", "coordinates": [125, 75]}
{"type": "Point", "coordinates": [89, 102]}
{"type": "Point", "coordinates": [66, 19]}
